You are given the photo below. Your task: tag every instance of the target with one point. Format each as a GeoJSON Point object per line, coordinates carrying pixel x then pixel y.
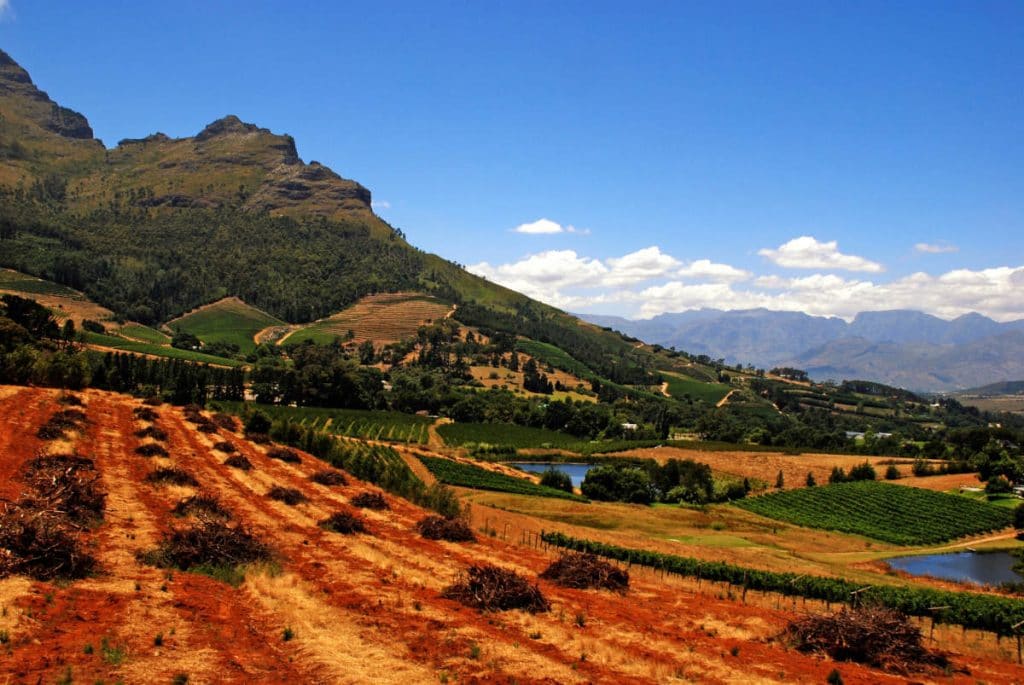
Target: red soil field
{"type": "Point", "coordinates": [360, 608]}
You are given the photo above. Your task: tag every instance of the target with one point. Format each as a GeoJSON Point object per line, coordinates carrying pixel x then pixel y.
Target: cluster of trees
{"type": "Point", "coordinates": [645, 481]}
{"type": "Point", "coordinates": [149, 265]}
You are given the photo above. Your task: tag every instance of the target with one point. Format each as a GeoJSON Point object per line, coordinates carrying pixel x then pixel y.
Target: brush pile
{"type": "Point", "coordinates": [876, 636]}
{"type": "Point", "coordinates": [206, 426]}
{"type": "Point", "coordinates": [440, 528]}
{"type": "Point", "coordinates": [225, 447]}
{"type": "Point", "coordinates": [151, 449]}
{"type": "Point", "coordinates": [39, 534]}
{"type": "Point", "coordinates": [208, 543]}
{"type": "Point", "coordinates": [145, 414]}
{"type": "Point", "coordinates": [284, 454]}
{"type": "Point", "coordinates": [226, 421]}
{"type": "Point", "coordinates": [153, 401]}
{"type": "Point", "coordinates": [171, 476]}
{"type": "Point", "coordinates": [204, 504]}
{"type": "Point", "coordinates": [238, 461]}
{"type": "Point", "coordinates": [370, 500]}
{"type": "Point", "coordinates": [289, 496]}
{"type": "Point", "coordinates": [329, 477]}
{"type": "Point", "coordinates": [152, 432]}
{"type": "Point", "coordinates": [344, 522]}
{"type": "Point", "coordinates": [61, 421]}
{"type": "Point", "coordinates": [490, 588]}
{"type": "Point", "coordinates": [69, 400]}
{"type": "Point", "coordinates": [584, 571]}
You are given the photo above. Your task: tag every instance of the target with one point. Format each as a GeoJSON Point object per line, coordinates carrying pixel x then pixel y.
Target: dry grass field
{"type": "Point", "coordinates": [383, 318]}
{"type": "Point", "coordinates": [359, 608]}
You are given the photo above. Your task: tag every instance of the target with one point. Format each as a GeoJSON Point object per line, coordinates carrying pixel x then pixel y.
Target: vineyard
{"type": "Point", "coordinates": [464, 475]}
{"type": "Point", "coordinates": [353, 423]}
{"type": "Point", "coordinates": [506, 434]}
{"type": "Point", "coordinates": [1000, 615]}
{"type": "Point", "coordinates": [118, 343]}
{"type": "Point", "coordinates": [900, 515]}
{"type": "Point", "coordinates": [229, 320]}
{"type": "Point", "coordinates": [680, 388]}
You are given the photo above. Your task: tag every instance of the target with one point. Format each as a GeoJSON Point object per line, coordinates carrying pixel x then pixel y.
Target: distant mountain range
{"type": "Point", "coordinates": [905, 348]}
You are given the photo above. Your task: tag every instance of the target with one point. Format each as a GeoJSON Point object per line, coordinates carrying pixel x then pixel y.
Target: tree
{"type": "Point", "coordinates": [367, 355]}
{"type": "Point", "coordinates": [1018, 519]}
{"type": "Point", "coordinates": [863, 471]}
{"type": "Point", "coordinates": [892, 473]}
{"type": "Point", "coordinates": [555, 478]}
{"type": "Point", "coordinates": [780, 481]}
{"type": "Point", "coordinates": [811, 482]}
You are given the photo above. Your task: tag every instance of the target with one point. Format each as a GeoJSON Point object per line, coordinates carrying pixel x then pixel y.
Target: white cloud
{"type": "Point", "coordinates": [935, 248]}
{"type": "Point", "coordinates": [377, 204]}
{"type": "Point", "coordinates": [650, 282]}
{"type": "Point", "coordinates": [806, 252]}
{"type": "Point", "coordinates": [548, 227]}
{"type": "Point", "coordinates": [639, 266]}
{"type": "Point", "coordinates": [706, 269]}
{"type": "Point", "coordinates": [539, 226]}
{"type": "Point", "coordinates": [6, 11]}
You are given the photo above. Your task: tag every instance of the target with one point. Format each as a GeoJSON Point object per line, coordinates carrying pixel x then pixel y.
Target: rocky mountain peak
{"type": "Point", "coordinates": [36, 105]}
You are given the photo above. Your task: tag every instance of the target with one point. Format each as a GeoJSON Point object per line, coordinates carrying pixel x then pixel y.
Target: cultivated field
{"type": "Point", "coordinates": [229, 320]}
{"type": "Point", "coordinates": [352, 608]}
{"type": "Point", "coordinates": [681, 387]}
{"type": "Point", "coordinates": [381, 318]}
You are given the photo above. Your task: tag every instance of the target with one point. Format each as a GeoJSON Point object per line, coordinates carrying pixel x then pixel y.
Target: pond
{"type": "Point", "coordinates": [984, 568]}
{"type": "Point", "coordinates": [576, 471]}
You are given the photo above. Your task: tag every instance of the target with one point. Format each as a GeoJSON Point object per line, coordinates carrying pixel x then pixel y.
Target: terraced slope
{"type": "Point", "coordinates": [382, 318]}
{"type": "Point", "coordinates": [341, 608]}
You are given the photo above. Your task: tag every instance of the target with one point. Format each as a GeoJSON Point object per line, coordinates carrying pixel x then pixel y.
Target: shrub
{"type": "Point", "coordinates": [863, 471]}
{"type": "Point", "coordinates": [581, 570]}
{"type": "Point", "coordinates": [370, 500]}
{"type": "Point", "coordinates": [171, 476]}
{"type": "Point", "coordinates": [838, 475]}
{"type": "Point", "coordinates": [892, 473]}
{"type": "Point", "coordinates": [225, 447]}
{"type": "Point", "coordinates": [69, 400]}
{"type": "Point", "coordinates": [876, 636]}
{"type": "Point", "coordinates": [810, 481]}
{"type": "Point", "coordinates": [329, 477]}
{"type": "Point", "coordinates": [153, 401]}
{"type": "Point", "coordinates": [998, 485]}
{"type": "Point", "coordinates": [440, 528]}
{"type": "Point", "coordinates": [490, 588]}
{"type": "Point", "coordinates": [258, 422]}
{"type": "Point", "coordinates": [151, 449]}
{"type": "Point", "coordinates": [289, 496]}
{"type": "Point", "coordinates": [258, 438]}
{"type": "Point", "coordinates": [344, 522]}
{"type": "Point", "coordinates": [554, 478]}
{"type": "Point", "coordinates": [238, 461]}
{"type": "Point", "coordinates": [284, 454]}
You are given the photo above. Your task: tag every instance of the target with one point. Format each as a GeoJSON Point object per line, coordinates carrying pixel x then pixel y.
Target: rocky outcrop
{"type": "Point", "coordinates": [37, 106]}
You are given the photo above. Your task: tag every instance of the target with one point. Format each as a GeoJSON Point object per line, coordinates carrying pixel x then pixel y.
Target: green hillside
{"type": "Point", "coordinates": [226, 321]}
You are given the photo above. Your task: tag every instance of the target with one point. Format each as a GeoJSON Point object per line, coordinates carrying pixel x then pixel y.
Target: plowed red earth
{"type": "Point", "coordinates": [358, 609]}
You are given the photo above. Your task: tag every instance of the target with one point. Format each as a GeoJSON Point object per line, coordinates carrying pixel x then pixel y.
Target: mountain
{"type": "Point", "coordinates": [156, 227]}
{"type": "Point", "coordinates": [904, 348]}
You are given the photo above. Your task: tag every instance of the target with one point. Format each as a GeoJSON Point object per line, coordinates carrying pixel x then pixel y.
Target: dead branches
{"type": "Point", "coordinates": [490, 588]}
{"type": "Point", "coordinates": [284, 454]}
{"type": "Point", "coordinates": [208, 543]}
{"type": "Point", "coordinates": [202, 504]}
{"type": "Point", "coordinates": [152, 432]}
{"type": "Point", "coordinates": [171, 476]}
{"type": "Point", "coordinates": [583, 571]}
{"type": "Point", "coordinates": [238, 461]}
{"type": "Point", "coordinates": [344, 522]}
{"type": "Point", "coordinates": [329, 477]}
{"type": "Point", "coordinates": [62, 421]}
{"type": "Point", "coordinates": [370, 500]}
{"type": "Point", "coordinates": [440, 528]}
{"type": "Point", "coordinates": [151, 449]}
{"type": "Point", "coordinates": [226, 421]}
{"type": "Point", "coordinates": [876, 636]}
{"type": "Point", "coordinates": [225, 447]}
{"type": "Point", "coordinates": [289, 496]}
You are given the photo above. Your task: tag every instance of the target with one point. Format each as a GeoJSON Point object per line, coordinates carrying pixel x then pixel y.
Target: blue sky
{"type": "Point", "coordinates": [729, 154]}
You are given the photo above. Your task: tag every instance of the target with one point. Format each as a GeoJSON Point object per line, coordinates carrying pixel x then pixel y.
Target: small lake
{"type": "Point", "coordinates": [576, 471]}
{"type": "Point", "coordinates": [984, 568]}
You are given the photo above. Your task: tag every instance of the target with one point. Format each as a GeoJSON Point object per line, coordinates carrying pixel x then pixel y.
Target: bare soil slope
{"type": "Point", "coordinates": [359, 608]}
